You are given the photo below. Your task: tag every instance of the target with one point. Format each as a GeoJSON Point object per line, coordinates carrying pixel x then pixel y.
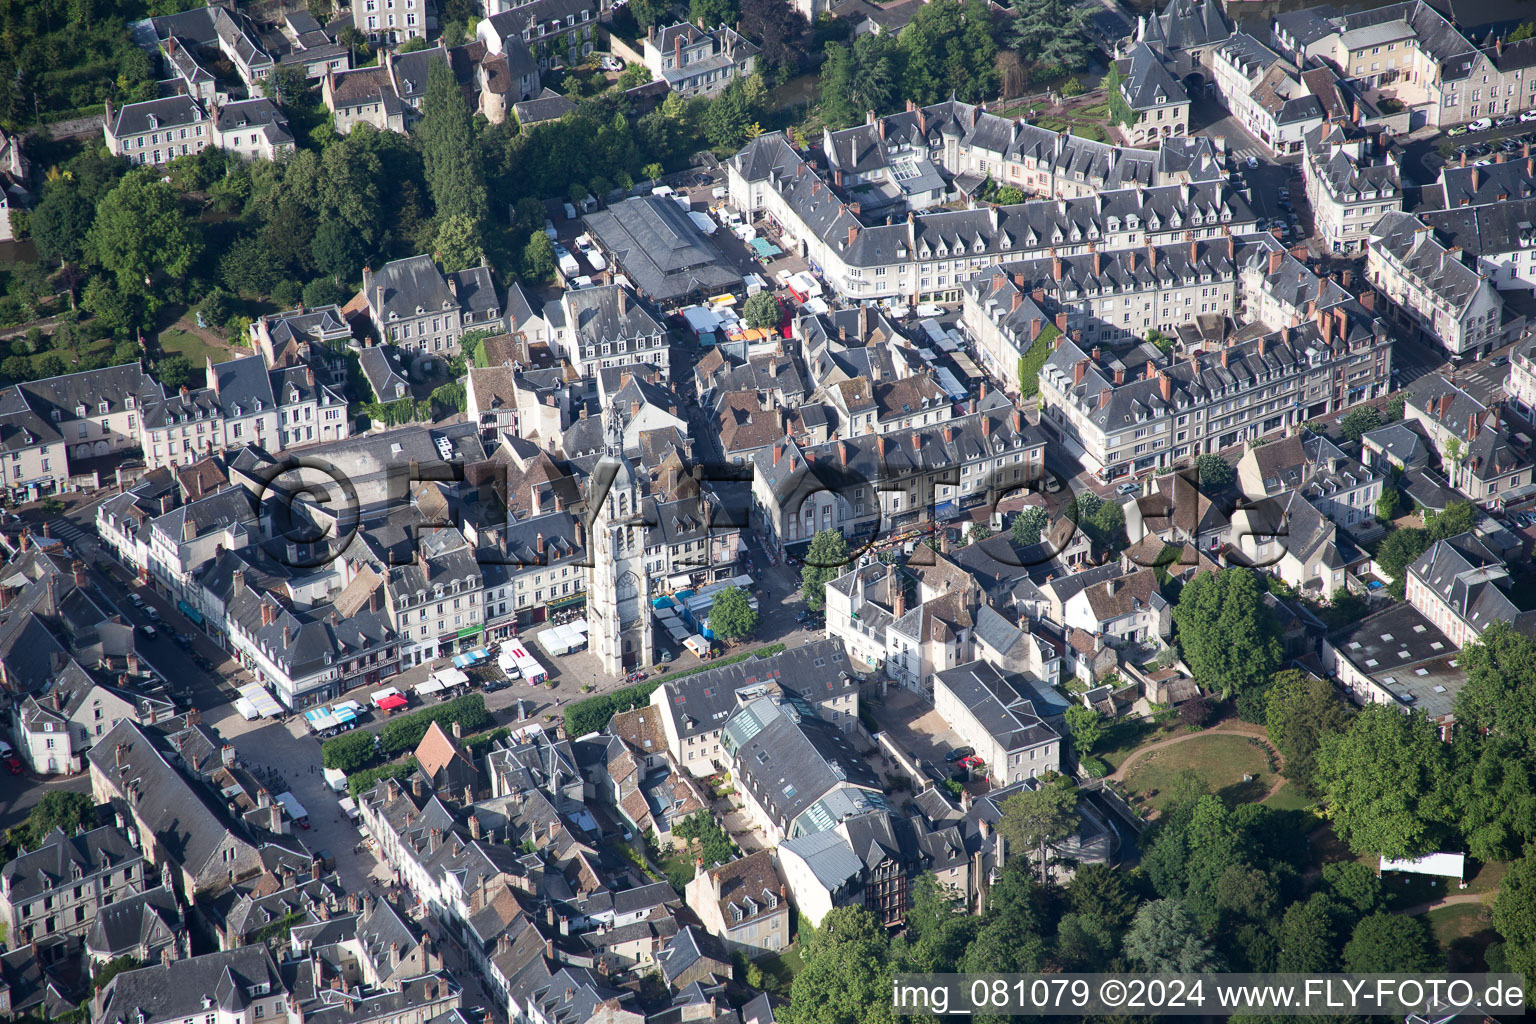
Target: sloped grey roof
{"type": "Point", "coordinates": [189, 988]}
{"type": "Point", "coordinates": [661, 249]}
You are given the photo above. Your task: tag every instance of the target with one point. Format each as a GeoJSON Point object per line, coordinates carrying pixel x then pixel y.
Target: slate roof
{"type": "Point", "coordinates": [53, 864]}
{"type": "Point", "coordinates": [258, 113]}
{"type": "Point", "coordinates": [157, 115]}
{"type": "Point", "coordinates": [795, 763]}
{"type": "Point", "coordinates": [704, 700]}
{"type": "Point", "coordinates": [1481, 185]}
{"type": "Point", "coordinates": [1488, 229]}
{"type": "Point", "coordinates": [661, 250]}
{"type": "Point", "coordinates": [1006, 712]}
{"type": "Point", "coordinates": [184, 824]}
{"type": "Point", "coordinates": [829, 857]}
{"type": "Point", "coordinates": [142, 920]}
{"type": "Point", "coordinates": [1147, 84]}
{"type": "Point", "coordinates": [546, 106]}
{"type": "Point", "coordinates": [609, 313]}
{"type": "Point", "coordinates": [1463, 573]}
{"type": "Point", "coordinates": [189, 988]}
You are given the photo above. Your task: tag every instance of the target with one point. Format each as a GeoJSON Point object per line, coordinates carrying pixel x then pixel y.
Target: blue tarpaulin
{"type": "Point", "coordinates": [190, 612]}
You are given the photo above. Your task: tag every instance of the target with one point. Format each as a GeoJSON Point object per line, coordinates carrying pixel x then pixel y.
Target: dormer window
{"type": "Point", "coordinates": [80, 410]}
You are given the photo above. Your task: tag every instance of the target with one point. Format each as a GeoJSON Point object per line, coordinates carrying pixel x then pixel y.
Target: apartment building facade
{"type": "Point", "coordinates": [1352, 180]}
{"type": "Point", "coordinates": [695, 61]}
{"type": "Point", "coordinates": [1134, 416]}
{"type": "Point", "coordinates": [1432, 290]}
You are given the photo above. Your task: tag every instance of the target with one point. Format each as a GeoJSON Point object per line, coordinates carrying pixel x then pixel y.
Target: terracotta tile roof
{"type": "Point", "coordinates": [640, 728]}
{"type": "Point", "coordinates": [437, 750]}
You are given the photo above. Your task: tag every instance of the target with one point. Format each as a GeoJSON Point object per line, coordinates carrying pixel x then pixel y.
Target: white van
{"type": "Point", "coordinates": [570, 211]}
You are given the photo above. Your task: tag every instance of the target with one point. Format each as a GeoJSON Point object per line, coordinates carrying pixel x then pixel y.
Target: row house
{"type": "Point", "coordinates": [223, 32]}
{"type": "Point", "coordinates": [60, 887]}
{"type": "Point", "coordinates": [1157, 101]}
{"type": "Point", "coordinates": [419, 308]}
{"type": "Point", "coordinates": [796, 772]}
{"type": "Point", "coordinates": [239, 986]}
{"type": "Point", "coordinates": [907, 157]}
{"type": "Point", "coordinates": [1149, 411]}
{"type": "Point", "coordinates": [931, 255]}
{"type": "Point", "coordinates": [695, 61]}
{"type": "Point", "coordinates": [1498, 235]}
{"type": "Point", "coordinates": [1520, 385]}
{"type": "Point", "coordinates": [1414, 54]}
{"type": "Point", "coordinates": [158, 131]}
{"type": "Point", "coordinates": [870, 482]}
{"type": "Point", "coordinates": [1099, 297]}
{"type": "Point", "coordinates": [390, 22]}
{"type": "Point", "coordinates": [1266, 93]}
{"type": "Point", "coordinates": [435, 602]}
{"type": "Point", "coordinates": [608, 326]}
{"type": "Point", "coordinates": [557, 32]}
{"type": "Point", "coordinates": [1481, 457]}
{"type": "Point", "coordinates": [1462, 587]}
{"type": "Point", "coordinates": [693, 711]}
{"type": "Point", "coordinates": [1342, 489]}
{"type": "Point", "coordinates": [1352, 180]}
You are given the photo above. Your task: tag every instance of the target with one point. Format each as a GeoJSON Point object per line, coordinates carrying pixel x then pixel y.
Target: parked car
{"type": "Point", "coordinates": [612, 64]}
{"type": "Point", "coordinates": [1498, 361]}
{"type": "Point", "coordinates": [494, 685]}
{"type": "Point", "coordinates": [148, 631]}
{"type": "Point", "coordinates": [959, 754]}
{"type": "Point", "coordinates": [1129, 487]}
{"type": "Point", "coordinates": [1482, 124]}
{"type": "Point", "coordinates": [1505, 121]}
{"type": "Point", "coordinates": [8, 757]}
{"type": "Point", "coordinates": [1253, 162]}
{"type": "Point", "coordinates": [1528, 115]}
{"type": "Point", "coordinates": [1456, 130]}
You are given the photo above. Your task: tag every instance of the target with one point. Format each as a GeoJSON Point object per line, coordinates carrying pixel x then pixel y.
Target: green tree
{"type": "Point", "coordinates": [336, 251]}
{"type": "Point", "coordinates": [141, 233]}
{"type": "Point", "coordinates": [731, 617]}
{"type": "Point", "coordinates": [836, 87]}
{"type": "Point", "coordinates": [778, 27]}
{"type": "Point", "coordinates": [1495, 743]}
{"type": "Point", "coordinates": [1514, 915]}
{"type": "Point", "coordinates": [1086, 726]}
{"type": "Point", "coordinates": [111, 969]}
{"type": "Point", "coordinates": [825, 560]}
{"type": "Point", "coordinates": [714, 12]}
{"type": "Point", "coordinates": [285, 85]}
{"type": "Point", "coordinates": [1029, 525]}
{"type": "Point", "coordinates": [847, 974]}
{"type": "Point", "coordinates": [1301, 711]}
{"type": "Point", "coordinates": [217, 307]}
{"type": "Point", "coordinates": [1040, 819]}
{"type": "Point", "coordinates": [761, 310]}
{"type": "Point", "coordinates": [1385, 781]}
{"type": "Point", "coordinates": [175, 372]}
{"type": "Point", "coordinates": [16, 368]}
{"type": "Point", "coordinates": [50, 365]}
{"type": "Point", "coordinates": [58, 809]}
{"type": "Point", "coordinates": [449, 151]}
{"type": "Point", "coordinates": [1524, 30]}
{"type": "Point", "coordinates": [730, 117]}
{"type": "Point", "coordinates": [539, 258]}
{"type": "Point", "coordinates": [1053, 33]}
{"type": "Point", "coordinates": [938, 929]}
{"type": "Point", "coordinates": [1228, 636]}
{"type": "Point", "coordinates": [1308, 940]}
{"type": "Point", "coordinates": [1388, 505]}
{"type": "Point", "coordinates": [249, 268]}
{"type": "Point", "coordinates": [323, 291]}
{"type": "Point", "coordinates": [457, 245]}
{"type": "Point", "coordinates": [977, 533]}
{"type": "Point", "coordinates": [1359, 421]}
{"type": "Point", "coordinates": [1392, 944]}
{"type": "Point", "coordinates": [1120, 112]}
{"type": "Point", "coordinates": [1164, 939]}
{"type": "Point", "coordinates": [948, 47]}
{"type": "Point", "coordinates": [1399, 550]}
{"type": "Point", "coordinates": [706, 839]}
{"type": "Point", "coordinates": [1354, 885]}
{"type": "Point", "coordinates": [1214, 473]}
{"type": "Point", "coordinates": [1456, 518]}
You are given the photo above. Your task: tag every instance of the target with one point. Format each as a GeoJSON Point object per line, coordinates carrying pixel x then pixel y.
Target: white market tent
{"type": "Point", "coordinates": [428, 686]}
{"type": "Point", "coordinates": [265, 704]}
{"type": "Point", "coordinates": [1446, 865]}
{"type": "Point", "coordinates": [451, 677]}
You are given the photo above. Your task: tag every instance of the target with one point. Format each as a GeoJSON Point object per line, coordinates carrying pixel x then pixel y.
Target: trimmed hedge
{"type": "Point", "coordinates": [349, 752]}
{"type": "Point", "coordinates": [594, 713]}
{"type": "Point", "coordinates": [361, 782]}
{"type": "Point", "coordinates": [404, 733]}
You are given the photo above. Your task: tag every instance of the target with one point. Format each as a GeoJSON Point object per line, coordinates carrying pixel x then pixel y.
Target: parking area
{"type": "Point", "coordinates": [914, 727]}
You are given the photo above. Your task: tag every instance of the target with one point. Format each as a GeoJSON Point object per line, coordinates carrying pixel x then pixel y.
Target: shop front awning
{"type": "Point", "coordinates": [567, 602]}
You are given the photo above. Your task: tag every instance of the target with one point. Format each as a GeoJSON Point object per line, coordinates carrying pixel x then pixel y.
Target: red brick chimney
{"type": "Point", "coordinates": [1165, 386]}
{"type": "Point", "coordinates": [1274, 261]}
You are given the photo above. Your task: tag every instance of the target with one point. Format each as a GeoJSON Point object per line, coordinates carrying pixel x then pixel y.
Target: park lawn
{"type": "Point", "coordinates": [1290, 797]}
{"type": "Point", "coordinates": [779, 969]}
{"type": "Point", "coordinates": [1124, 736]}
{"type": "Point", "coordinates": [1464, 932]}
{"type": "Point", "coordinates": [175, 341]}
{"type": "Point", "coordinates": [1486, 877]}
{"type": "Point", "coordinates": [1220, 759]}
